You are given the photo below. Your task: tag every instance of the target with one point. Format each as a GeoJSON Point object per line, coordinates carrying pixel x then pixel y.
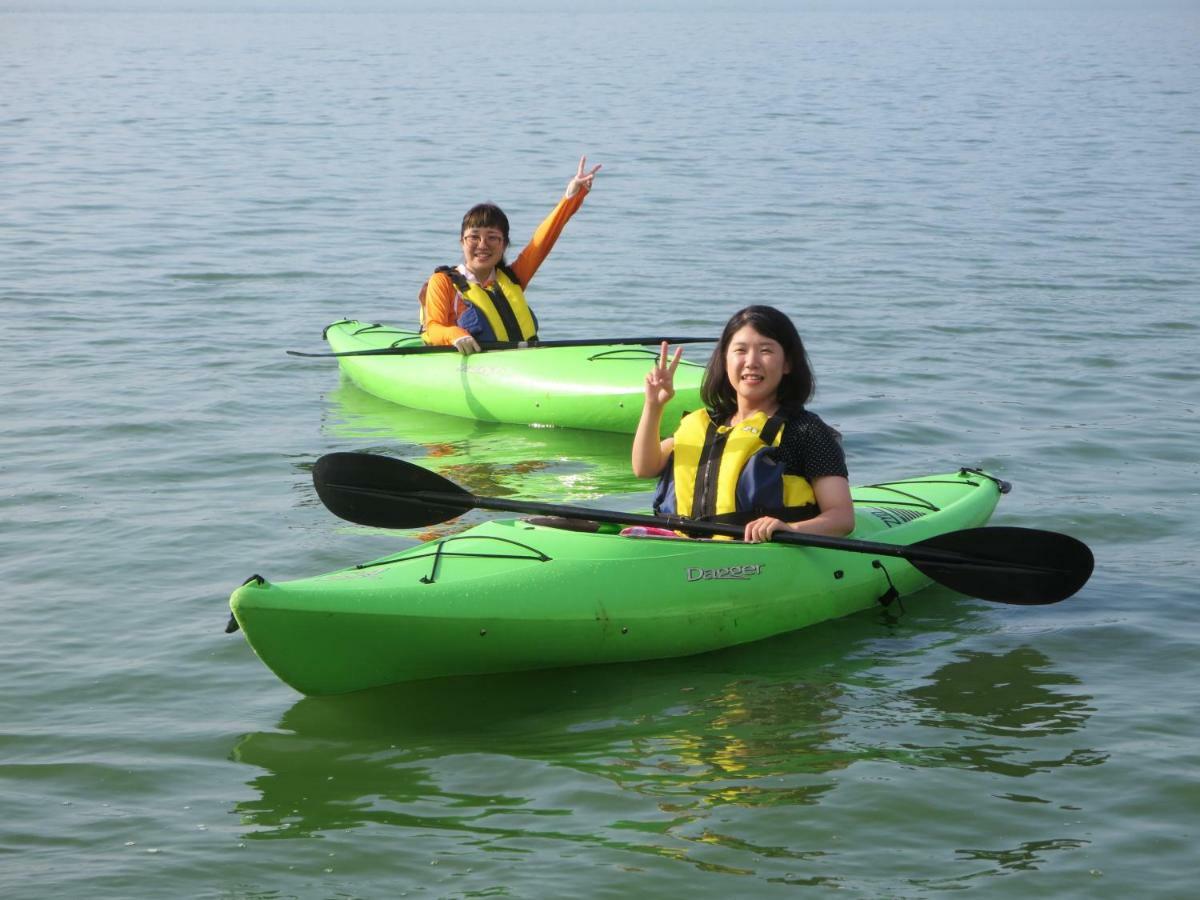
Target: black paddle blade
{"type": "Point", "coordinates": [1023, 566]}
{"type": "Point", "coordinates": [385, 492]}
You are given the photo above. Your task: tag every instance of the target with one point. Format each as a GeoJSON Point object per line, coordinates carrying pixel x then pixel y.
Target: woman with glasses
{"type": "Point", "coordinates": [483, 297]}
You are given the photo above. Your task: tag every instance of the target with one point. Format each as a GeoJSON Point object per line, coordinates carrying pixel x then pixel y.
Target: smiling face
{"type": "Point", "coordinates": [483, 248]}
{"type": "Point", "coordinates": [755, 365]}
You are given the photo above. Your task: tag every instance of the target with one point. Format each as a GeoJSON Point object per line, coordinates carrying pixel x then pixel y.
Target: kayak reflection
{"type": "Point", "coordinates": [672, 739]}
{"type": "Point", "coordinates": [774, 724]}
{"type": "Point", "coordinates": [1004, 713]}
{"type": "Point", "coordinates": [555, 464]}
{"type": "Point", "coordinates": [1013, 694]}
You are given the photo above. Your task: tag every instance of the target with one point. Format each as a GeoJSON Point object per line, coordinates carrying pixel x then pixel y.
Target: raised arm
{"type": "Point", "coordinates": [543, 240]}
{"type": "Point", "coordinates": [649, 453]}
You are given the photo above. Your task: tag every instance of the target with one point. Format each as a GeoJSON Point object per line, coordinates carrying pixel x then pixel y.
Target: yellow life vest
{"type": "Point", "coordinates": [727, 473]}
{"type": "Point", "coordinates": [506, 316]}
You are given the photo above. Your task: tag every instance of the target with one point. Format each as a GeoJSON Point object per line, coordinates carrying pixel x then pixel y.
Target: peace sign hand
{"type": "Point", "coordinates": [660, 380]}
{"type": "Point", "coordinates": [581, 179]}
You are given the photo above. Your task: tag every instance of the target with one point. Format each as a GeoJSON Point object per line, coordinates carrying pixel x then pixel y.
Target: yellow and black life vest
{"type": "Point", "coordinates": [729, 473]}
{"type": "Point", "coordinates": [495, 313]}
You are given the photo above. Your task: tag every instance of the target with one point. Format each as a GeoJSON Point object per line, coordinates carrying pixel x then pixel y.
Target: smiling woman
{"type": "Point", "coordinates": [755, 456]}
{"type": "Point", "coordinates": [483, 298]}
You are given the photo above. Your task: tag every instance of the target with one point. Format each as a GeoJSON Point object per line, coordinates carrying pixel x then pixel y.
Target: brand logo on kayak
{"type": "Point", "coordinates": [728, 573]}
{"type": "Point", "coordinates": [892, 516]}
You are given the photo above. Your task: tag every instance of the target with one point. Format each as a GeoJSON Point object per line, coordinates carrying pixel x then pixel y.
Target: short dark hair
{"type": "Point", "coordinates": [485, 215]}
{"type": "Point", "coordinates": [797, 386]}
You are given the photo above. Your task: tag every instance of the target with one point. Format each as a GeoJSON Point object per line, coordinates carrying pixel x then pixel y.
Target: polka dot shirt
{"type": "Point", "coordinates": [810, 448]}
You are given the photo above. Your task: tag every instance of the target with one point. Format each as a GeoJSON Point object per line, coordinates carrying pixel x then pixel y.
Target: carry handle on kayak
{"type": "Point", "coordinates": [1023, 566]}
{"type": "Point", "coordinates": [513, 345]}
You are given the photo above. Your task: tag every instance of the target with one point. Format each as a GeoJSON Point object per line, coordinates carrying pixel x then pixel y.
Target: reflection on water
{"type": "Point", "coordinates": [671, 739]}
{"type": "Point", "coordinates": [489, 459]}
{"type": "Point", "coordinates": [1000, 710]}
{"type": "Point", "coordinates": [1006, 694]}
{"type": "Point", "coordinates": [753, 725]}
{"type": "Point", "coordinates": [1028, 855]}
{"type": "Point", "coordinates": [666, 757]}
{"type": "Point", "coordinates": [561, 465]}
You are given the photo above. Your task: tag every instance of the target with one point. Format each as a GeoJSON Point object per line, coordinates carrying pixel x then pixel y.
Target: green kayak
{"type": "Point", "coordinates": [594, 387]}
{"type": "Point", "coordinates": [521, 594]}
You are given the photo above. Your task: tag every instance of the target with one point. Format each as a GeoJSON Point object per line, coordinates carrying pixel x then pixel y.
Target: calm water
{"type": "Point", "coordinates": [987, 226]}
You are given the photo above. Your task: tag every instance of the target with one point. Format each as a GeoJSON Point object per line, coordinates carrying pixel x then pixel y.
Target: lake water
{"type": "Point", "coordinates": [986, 224]}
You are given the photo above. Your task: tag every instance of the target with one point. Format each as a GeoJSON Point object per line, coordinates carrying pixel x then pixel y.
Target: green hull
{"type": "Point", "coordinates": [509, 595]}
{"type": "Point", "coordinates": [596, 388]}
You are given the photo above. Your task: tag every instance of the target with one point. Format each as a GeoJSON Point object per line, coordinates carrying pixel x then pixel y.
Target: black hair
{"type": "Point", "coordinates": [485, 215]}
{"type": "Point", "coordinates": [797, 385]}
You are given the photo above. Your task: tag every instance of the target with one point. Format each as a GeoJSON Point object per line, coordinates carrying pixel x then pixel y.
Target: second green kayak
{"type": "Point", "coordinates": [595, 387]}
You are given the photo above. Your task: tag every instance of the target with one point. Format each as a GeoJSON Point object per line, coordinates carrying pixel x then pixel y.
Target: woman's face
{"type": "Point", "coordinates": [756, 365]}
{"type": "Point", "coordinates": [482, 249]}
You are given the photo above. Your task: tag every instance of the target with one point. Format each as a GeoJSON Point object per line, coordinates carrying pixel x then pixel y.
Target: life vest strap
{"type": "Point", "coordinates": [771, 429]}
{"type": "Point", "coordinates": [458, 278]}
{"type": "Point", "coordinates": [704, 498]}
{"type": "Point", "coordinates": [512, 276]}
{"type": "Point", "coordinates": [505, 311]}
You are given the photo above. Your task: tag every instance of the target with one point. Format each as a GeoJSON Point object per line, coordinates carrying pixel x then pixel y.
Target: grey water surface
{"type": "Point", "coordinates": [985, 222]}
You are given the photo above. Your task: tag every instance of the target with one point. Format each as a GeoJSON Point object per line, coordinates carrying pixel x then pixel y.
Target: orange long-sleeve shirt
{"type": "Point", "coordinates": [443, 304]}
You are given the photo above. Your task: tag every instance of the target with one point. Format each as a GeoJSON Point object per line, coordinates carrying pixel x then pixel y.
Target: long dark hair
{"type": "Point", "coordinates": [797, 385]}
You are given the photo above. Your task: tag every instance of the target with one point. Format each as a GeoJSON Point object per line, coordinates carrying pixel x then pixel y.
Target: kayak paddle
{"type": "Point", "coordinates": [513, 345]}
{"type": "Point", "coordinates": [1023, 566]}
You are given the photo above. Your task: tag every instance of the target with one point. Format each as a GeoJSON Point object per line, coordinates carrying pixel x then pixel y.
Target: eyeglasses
{"type": "Point", "coordinates": [491, 238]}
